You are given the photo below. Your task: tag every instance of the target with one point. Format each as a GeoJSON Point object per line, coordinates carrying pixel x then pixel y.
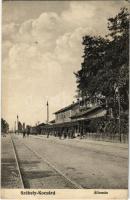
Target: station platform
{"type": "Point", "coordinates": [10, 177]}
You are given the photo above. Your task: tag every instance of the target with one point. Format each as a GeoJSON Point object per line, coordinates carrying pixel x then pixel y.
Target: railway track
{"type": "Point", "coordinates": [17, 163]}
{"type": "Point", "coordinates": [24, 176]}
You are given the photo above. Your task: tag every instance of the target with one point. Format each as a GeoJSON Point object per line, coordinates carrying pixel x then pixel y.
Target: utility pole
{"type": "Point", "coordinates": [15, 127]}
{"type": "Point", "coordinates": [79, 129]}
{"type": "Point", "coordinates": [119, 103]}
{"type": "Point", "coordinates": [47, 112]}
{"type": "Point", "coordinates": [117, 91]}
{"type": "Point", "coordinates": [17, 123]}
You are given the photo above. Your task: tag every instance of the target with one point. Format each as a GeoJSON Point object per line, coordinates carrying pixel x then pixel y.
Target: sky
{"type": "Point", "coordinates": [41, 50]}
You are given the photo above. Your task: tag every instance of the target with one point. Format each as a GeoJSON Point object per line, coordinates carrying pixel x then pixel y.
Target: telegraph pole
{"type": "Point", "coordinates": [117, 92]}
{"type": "Point", "coordinates": [15, 127]}
{"type": "Point", "coordinates": [47, 112]}
{"type": "Point", "coordinates": [119, 103]}
{"type": "Point", "coordinates": [17, 123]}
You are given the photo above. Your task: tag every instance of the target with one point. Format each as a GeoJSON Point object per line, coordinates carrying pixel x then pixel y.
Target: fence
{"type": "Point", "coordinates": [123, 138]}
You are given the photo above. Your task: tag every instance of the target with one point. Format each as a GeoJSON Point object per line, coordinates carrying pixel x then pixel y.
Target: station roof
{"type": "Point", "coordinates": [70, 106]}
{"type": "Point", "coordinates": [66, 108]}
{"type": "Point", "coordinates": [61, 125]}
{"type": "Point", "coordinates": [52, 121]}
{"type": "Point", "coordinates": [42, 124]}
{"type": "Point", "coordinates": [84, 113]}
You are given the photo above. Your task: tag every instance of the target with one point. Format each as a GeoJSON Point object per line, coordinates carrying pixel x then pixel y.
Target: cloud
{"type": "Point", "coordinates": [69, 48]}
{"type": "Point", "coordinates": [6, 46]}
{"type": "Point", "coordinates": [91, 14]}
{"type": "Point", "coordinates": [78, 13]}
{"type": "Point", "coordinates": [44, 30]}
{"type": "Point", "coordinates": [41, 54]}
{"type": "Point", "coordinates": [9, 31]}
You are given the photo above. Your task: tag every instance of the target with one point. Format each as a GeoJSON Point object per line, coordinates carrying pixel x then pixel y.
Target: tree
{"type": "Point", "coordinates": [106, 63]}
{"type": "Point", "coordinates": [119, 54]}
{"type": "Point", "coordinates": [4, 126]}
{"type": "Point", "coordinates": [87, 76]}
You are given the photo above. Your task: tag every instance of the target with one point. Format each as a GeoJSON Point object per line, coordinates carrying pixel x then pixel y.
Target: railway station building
{"type": "Point", "coordinates": [74, 119]}
{"type": "Point", "coordinates": [85, 118]}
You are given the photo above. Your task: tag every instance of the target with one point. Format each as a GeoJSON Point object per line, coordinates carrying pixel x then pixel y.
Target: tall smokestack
{"type": "Point", "coordinates": [47, 112]}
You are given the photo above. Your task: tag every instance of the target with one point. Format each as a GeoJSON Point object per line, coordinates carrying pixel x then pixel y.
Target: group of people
{"type": "Point", "coordinates": [64, 133]}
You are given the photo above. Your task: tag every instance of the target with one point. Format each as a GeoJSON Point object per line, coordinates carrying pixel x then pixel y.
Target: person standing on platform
{"type": "Point", "coordinates": [28, 131]}
{"type": "Point", "coordinates": [24, 131]}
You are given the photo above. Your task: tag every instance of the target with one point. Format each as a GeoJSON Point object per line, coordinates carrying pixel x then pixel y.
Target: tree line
{"type": "Point", "coordinates": [105, 68]}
